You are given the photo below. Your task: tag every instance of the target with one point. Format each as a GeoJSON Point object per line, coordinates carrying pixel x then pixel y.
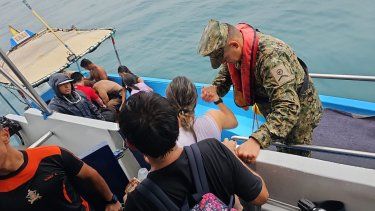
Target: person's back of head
{"type": "Point", "coordinates": [77, 77]}
{"type": "Point", "coordinates": [129, 81]}
{"type": "Point", "coordinates": [85, 63]}
{"type": "Point", "coordinates": [182, 93]}
{"type": "Point", "coordinates": [149, 123]}
{"type": "Point", "coordinates": [123, 69]}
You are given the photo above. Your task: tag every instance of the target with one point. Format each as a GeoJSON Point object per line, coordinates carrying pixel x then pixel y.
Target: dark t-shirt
{"type": "Point", "coordinates": [42, 182]}
{"type": "Point", "coordinates": [226, 176]}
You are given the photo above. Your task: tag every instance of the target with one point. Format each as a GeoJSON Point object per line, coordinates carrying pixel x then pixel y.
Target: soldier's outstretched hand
{"type": "Point", "coordinates": [248, 151]}
{"type": "Point", "coordinates": [209, 94]}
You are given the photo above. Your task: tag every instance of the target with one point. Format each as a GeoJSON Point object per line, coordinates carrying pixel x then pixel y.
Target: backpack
{"type": "Point", "coordinates": [203, 198]}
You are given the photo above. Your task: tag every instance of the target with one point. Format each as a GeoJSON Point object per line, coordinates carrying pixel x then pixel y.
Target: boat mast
{"type": "Point", "coordinates": [38, 100]}
{"type": "Point", "coordinates": [72, 56]}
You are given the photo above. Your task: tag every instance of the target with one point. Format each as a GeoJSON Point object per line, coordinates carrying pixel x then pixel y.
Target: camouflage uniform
{"type": "Point", "coordinates": [290, 117]}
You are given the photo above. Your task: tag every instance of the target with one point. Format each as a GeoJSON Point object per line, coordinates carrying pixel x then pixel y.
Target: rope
{"type": "Point", "coordinates": [114, 47]}
{"type": "Point", "coordinates": [24, 102]}
{"type": "Point", "coordinates": [79, 68]}
{"type": "Point", "coordinates": [256, 112]}
{"type": "Point", "coordinates": [10, 105]}
{"type": "Point", "coordinates": [48, 27]}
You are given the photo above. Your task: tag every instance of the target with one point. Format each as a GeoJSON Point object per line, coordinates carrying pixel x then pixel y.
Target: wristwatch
{"type": "Point", "coordinates": [113, 200]}
{"type": "Point", "coordinates": [218, 101]}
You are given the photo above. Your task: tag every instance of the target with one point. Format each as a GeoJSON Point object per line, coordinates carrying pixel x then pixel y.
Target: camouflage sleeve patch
{"type": "Point", "coordinates": [281, 74]}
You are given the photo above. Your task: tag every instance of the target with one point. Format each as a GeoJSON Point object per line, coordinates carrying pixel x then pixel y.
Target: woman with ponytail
{"type": "Point", "coordinates": [182, 93]}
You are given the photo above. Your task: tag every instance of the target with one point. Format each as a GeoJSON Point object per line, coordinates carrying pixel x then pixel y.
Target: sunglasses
{"type": "Point", "coordinates": [2, 127]}
{"type": "Point", "coordinates": [11, 126]}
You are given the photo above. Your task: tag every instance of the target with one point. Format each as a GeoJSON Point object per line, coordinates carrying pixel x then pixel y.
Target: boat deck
{"type": "Point", "coordinates": [335, 130]}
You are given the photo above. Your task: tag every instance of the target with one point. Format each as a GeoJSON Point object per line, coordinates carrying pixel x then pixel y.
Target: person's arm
{"type": "Point", "coordinates": [100, 102]}
{"type": "Point", "coordinates": [123, 98]}
{"type": "Point", "coordinates": [102, 94]}
{"type": "Point", "coordinates": [55, 106]}
{"type": "Point", "coordinates": [223, 117]}
{"type": "Point", "coordinates": [74, 167]}
{"type": "Point", "coordinates": [96, 98]}
{"type": "Point", "coordinates": [279, 82]}
{"type": "Point", "coordinates": [248, 185]}
{"type": "Point", "coordinates": [223, 81]}
{"type": "Point", "coordinates": [95, 111]}
{"type": "Point", "coordinates": [99, 185]}
{"type": "Point", "coordinates": [263, 195]}
{"type": "Point", "coordinates": [88, 82]}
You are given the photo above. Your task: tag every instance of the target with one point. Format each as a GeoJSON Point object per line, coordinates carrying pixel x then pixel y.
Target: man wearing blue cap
{"type": "Point", "coordinates": [68, 101]}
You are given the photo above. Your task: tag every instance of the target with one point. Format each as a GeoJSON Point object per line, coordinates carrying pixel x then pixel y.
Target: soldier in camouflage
{"type": "Point", "coordinates": [291, 106]}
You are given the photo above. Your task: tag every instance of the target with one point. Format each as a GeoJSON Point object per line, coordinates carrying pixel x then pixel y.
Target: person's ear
{"type": "Point", "coordinates": [146, 159]}
{"type": "Point", "coordinates": [234, 44]}
{"type": "Point", "coordinates": [6, 131]}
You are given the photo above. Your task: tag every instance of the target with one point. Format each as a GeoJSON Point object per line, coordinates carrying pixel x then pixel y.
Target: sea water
{"type": "Point", "coordinates": [159, 38]}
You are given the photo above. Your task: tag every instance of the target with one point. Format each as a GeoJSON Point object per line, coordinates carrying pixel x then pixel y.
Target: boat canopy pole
{"type": "Point", "coordinates": [114, 46]}
{"type": "Point", "coordinates": [50, 29]}
{"type": "Point", "coordinates": [343, 77]}
{"type": "Point", "coordinates": [28, 86]}
{"type": "Point", "coordinates": [317, 148]}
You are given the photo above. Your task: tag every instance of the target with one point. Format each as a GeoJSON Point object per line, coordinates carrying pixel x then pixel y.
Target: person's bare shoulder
{"type": "Point", "coordinates": [102, 72]}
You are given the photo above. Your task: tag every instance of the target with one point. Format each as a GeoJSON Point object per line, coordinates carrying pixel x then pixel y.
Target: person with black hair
{"type": "Point", "coordinates": [69, 101]}
{"type": "Point", "coordinates": [90, 93]}
{"type": "Point", "coordinates": [123, 70]}
{"type": "Point", "coordinates": [132, 85]}
{"type": "Point", "coordinates": [42, 178]}
{"type": "Point", "coordinates": [112, 93]}
{"type": "Point", "coordinates": [149, 123]}
{"type": "Point", "coordinates": [97, 73]}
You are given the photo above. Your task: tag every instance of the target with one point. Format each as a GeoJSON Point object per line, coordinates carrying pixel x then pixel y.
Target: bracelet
{"type": "Point", "coordinates": [113, 200]}
{"type": "Point", "coordinates": [218, 101]}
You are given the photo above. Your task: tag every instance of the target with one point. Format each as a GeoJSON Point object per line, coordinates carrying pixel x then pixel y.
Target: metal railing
{"type": "Point", "coordinates": [41, 140]}
{"type": "Point", "coordinates": [331, 150]}
{"type": "Point", "coordinates": [343, 77]}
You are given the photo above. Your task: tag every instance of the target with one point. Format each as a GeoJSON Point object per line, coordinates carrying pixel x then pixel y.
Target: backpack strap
{"type": "Point", "coordinates": [197, 168]}
{"type": "Point", "coordinates": [199, 174]}
{"type": "Point", "coordinates": [156, 195]}
{"type": "Point", "coordinates": [305, 84]}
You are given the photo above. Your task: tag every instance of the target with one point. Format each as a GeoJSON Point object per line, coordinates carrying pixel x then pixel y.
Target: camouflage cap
{"type": "Point", "coordinates": [213, 41]}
